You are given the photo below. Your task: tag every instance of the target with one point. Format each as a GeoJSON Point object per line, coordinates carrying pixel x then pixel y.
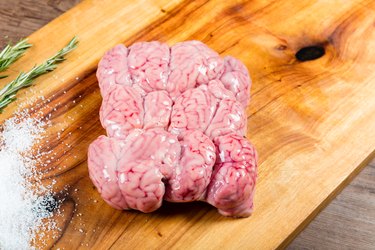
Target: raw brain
{"type": "Point", "coordinates": [175, 123]}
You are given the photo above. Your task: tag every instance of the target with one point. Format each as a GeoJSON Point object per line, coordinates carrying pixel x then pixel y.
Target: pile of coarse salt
{"type": "Point", "coordinates": [24, 201]}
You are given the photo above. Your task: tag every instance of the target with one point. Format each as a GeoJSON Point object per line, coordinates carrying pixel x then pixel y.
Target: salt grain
{"type": "Point", "coordinates": [24, 201]}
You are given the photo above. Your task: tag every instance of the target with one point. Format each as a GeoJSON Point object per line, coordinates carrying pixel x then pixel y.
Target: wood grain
{"type": "Point", "coordinates": [19, 18]}
{"type": "Point", "coordinates": [353, 226]}
{"type": "Point", "coordinates": [312, 122]}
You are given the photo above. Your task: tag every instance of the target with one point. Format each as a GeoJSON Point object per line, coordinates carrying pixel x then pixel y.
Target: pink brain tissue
{"type": "Point", "coordinates": [176, 127]}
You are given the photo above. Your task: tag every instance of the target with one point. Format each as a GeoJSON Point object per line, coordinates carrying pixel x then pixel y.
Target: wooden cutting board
{"type": "Point", "coordinates": [311, 121]}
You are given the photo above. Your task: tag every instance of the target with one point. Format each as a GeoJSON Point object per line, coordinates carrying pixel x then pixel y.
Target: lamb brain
{"type": "Point", "coordinates": [199, 98]}
{"type": "Point", "coordinates": [124, 181]}
{"type": "Point", "coordinates": [104, 155]}
{"type": "Point", "coordinates": [192, 175]}
{"type": "Point", "coordinates": [158, 107]}
{"type": "Point", "coordinates": [156, 144]}
{"type": "Point", "coordinates": [113, 69]}
{"type": "Point", "coordinates": [121, 111]}
{"type": "Point", "coordinates": [148, 65]}
{"type": "Point", "coordinates": [129, 173]}
{"type": "Point", "coordinates": [193, 110]}
{"type": "Point", "coordinates": [141, 184]}
{"type": "Point", "coordinates": [236, 79]}
{"type": "Point", "coordinates": [229, 118]}
{"type": "Point", "coordinates": [209, 108]}
{"type": "Point", "coordinates": [192, 63]}
{"type": "Point", "coordinates": [124, 109]}
{"type": "Point", "coordinates": [233, 180]}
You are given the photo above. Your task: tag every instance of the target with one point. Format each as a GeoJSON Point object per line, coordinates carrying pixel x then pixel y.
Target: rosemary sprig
{"type": "Point", "coordinates": [12, 53]}
{"type": "Point", "coordinates": [25, 79]}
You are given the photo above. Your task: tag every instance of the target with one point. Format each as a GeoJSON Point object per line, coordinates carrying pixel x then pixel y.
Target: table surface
{"type": "Point", "coordinates": [349, 220]}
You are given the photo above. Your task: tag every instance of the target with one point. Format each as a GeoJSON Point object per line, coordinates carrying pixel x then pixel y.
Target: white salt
{"type": "Point", "coordinates": [20, 135]}
{"type": "Point", "coordinates": [24, 211]}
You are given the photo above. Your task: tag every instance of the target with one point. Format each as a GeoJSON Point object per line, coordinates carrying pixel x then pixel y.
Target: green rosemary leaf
{"type": "Point", "coordinates": [25, 79]}
{"type": "Point", "coordinates": [12, 53]}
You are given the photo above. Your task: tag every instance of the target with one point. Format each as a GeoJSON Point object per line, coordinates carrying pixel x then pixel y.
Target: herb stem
{"type": "Point", "coordinates": [25, 79]}
{"type": "Point", "coordinates": [12, 53]}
